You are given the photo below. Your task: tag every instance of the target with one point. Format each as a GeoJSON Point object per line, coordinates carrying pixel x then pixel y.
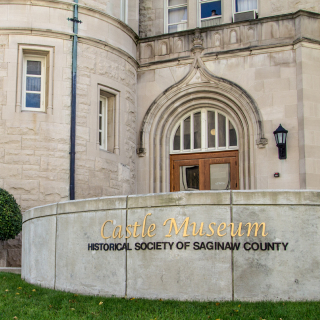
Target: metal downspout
{"type": "Point", "coordinates": [73, 100]}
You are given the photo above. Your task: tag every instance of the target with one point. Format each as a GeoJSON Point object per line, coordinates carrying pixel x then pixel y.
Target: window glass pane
{"type": "Point", "coordinates": [222, 130]}
{"type": "Point", "coordinates": [34, 67]}
{"type": "Point", "coordinates": [100, 139]}
{"type": "Point", "coordinates": [176, 140]}
{"type": "Point", "coordinates": [246, 5]}
{"type": "Point", "coordinates": [197, 130]}
{"type": "Point", "coordinates": [177, 27]}
{"type": "Point", "coordinates": [186, 136]}
{"type": "Point", "coordinates": [189, 178]}
{"type": "Point", "coordinates": [210, 9]}
{"type": "Point", "coordinates": [232, 136]}
{"type": "Point", "coordinates": [100, 122]}
{"type": "Point", "coordinates": [177, 15]}
{"type": "Point", "coordinates": [220, 176]}
{"type": "Point", "coordinates": [211, 130]}
{"type": "Point", "coordinates": [176, 2]}
{"type": "Point", "coordinates": [32, 100]}
{"type": "Point", "coordinates": [33, 84]}
{"type": "Point", "coordinates": [280, 140]}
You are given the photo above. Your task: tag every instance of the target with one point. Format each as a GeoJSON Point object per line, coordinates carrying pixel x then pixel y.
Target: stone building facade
{"type": "Point", "coordinates": [255, 73]}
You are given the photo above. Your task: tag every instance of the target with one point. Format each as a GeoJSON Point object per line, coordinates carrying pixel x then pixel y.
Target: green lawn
{"type": "Point", "coordinates": [20, 300]}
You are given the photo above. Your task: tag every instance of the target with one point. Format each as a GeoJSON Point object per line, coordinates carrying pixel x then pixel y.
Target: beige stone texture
{"type": "Point", "coordinates": [34, 147]}
{"type": "Point", "coordinates": [148, 270]}
{"type": "Point", "coordinates": [58, 238]}
{"type": "Point", "coordinates": [308, 67]}
{"type": "Point", "coordinates": [37, 255]}
{"type": "Point", "coordinates": [273, 7]}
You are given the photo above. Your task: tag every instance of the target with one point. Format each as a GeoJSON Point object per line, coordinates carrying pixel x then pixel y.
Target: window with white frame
{"type": "Point", "coordinates": [209, 13]}
{"type": "Point", "coordinates": [245, 5]}
{"type": "Point", "coordinates": [176, 15]}
{"type": "Point", "coordinates": [34, 83]}
{"type": "Point", "coordinates": [124, 11]}
{"type": "Point", "coordinates": [204, 130]}
{"type": "Point", "coordinates": [106, 121]}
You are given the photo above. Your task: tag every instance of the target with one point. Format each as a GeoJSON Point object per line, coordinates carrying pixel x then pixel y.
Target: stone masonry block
{"type": "Point", "coordinates": [54, 165]}
{"type": "Point", "coordinates": [283, 57]}
{"type": "Point", "coordinates": [38, 143]}
{"type": "Point", "coordinates": [54, 187]}
{"type": "Point", "coordinates": [267, 73]}
{"type": "Point", "coordinates": [22, 186]}
{"type": "Point", "coordinates": [10, 142]}
{"type": "Point", "coordinates": [3, 258]}
{"type": "Point", "coordinates": [10, 171]}
{"type": "Point", "coordinates": [14, 258]}
{"type": "Point", "coordinates": [285, 98]}
{"type": "Point", "coordinates": [13, 243]}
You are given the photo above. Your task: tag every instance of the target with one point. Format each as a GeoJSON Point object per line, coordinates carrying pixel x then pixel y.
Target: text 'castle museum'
{"type": "Point", "coordinates": [119, 97]}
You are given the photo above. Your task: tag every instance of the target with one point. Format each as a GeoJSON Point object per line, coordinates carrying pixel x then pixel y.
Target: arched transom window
{"type": "Point", "coordinates": [204, 130]}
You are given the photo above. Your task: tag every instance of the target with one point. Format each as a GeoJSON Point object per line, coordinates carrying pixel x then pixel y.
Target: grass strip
{"type": "Point", "coordinates": [20, 300]}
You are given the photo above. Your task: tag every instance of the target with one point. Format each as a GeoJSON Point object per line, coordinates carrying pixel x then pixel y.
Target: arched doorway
{"type": "Point", "coordinates": [198, 90]}
{"type": "Point", "coordinates": [204, 152]}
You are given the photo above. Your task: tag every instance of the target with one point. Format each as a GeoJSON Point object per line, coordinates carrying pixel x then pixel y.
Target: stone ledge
{"type": "Point", "coordinates": [11, 270]}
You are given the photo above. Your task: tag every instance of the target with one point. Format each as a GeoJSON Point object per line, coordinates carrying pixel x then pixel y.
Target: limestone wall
{"type": "Point", "coordinates": [34, 146]}
{"type": "Point", "coordinates": [153, 13]}
{"type": "Point", "coordinates": [10, 252]}
{"type": "Point", "coordinates": [99, 172]}
{"type": "Point", "coordinates": [268, 61]}
{"type": "Point", "coordinates": [83, 246]}
{"type": "Point", "coordinates": [273, 7]}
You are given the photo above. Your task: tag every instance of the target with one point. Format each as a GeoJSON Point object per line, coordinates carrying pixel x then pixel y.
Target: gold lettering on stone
{"type": "Point", "coordinates": [233, 234]}
{"type": "Point", "coordinates": [174, 224]}
{"type": "Point", "coordinates": [210, 228]}
{"type": "Point", "coordinates": [250, 227]}
{"type": "Point", "coordinates": [102, 229]}
{"type": "Point", "coordinates": [221, 229]}
{"type": "Point", "coordinates": [200, 231]}
{"type": "Point", "coordinates": [115, 234]}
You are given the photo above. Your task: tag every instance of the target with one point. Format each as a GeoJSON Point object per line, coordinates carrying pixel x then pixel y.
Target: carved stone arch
{"type": "Point", "coordinates": [163, 48]}
{"type": "Point", "coordinates": [198, 88]}
{"type": "Point", "coordinates": [178, 47]}
{"type": "Point", "coordinates": [233, 36]}
{"type": "Point", "coordinates": [216, 39]}
{"type": "Point", "coordinates": [251, 34]}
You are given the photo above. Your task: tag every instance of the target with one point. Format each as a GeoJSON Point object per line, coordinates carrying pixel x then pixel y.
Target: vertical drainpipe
{"type": "Point", "coordinates": [73, 99]}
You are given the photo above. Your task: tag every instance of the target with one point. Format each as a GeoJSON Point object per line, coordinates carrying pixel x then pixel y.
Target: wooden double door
{"type": "Point", "coordinates": [204, 171]}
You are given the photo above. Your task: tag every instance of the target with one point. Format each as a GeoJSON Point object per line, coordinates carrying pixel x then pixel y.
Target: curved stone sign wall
{"type": "Point", "coordinates": [230, 245]}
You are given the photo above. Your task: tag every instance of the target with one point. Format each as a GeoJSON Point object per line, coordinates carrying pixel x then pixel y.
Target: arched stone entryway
{"type": "Point", "coordinates": [199, 89]}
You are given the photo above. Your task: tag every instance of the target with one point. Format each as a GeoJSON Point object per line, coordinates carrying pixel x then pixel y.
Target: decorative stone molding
{"type": "Point", "coordinates": [208, 90]}
{"type": "Point", "coordinates": [262, 142]}
{"type": "Point", "coordinates": [197, 42]}
{"type": "Point", "coordinates": [247, 35]}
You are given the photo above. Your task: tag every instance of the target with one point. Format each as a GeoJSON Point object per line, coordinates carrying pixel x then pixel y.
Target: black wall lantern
{"type": "Point", "coordinates": [281, 140]}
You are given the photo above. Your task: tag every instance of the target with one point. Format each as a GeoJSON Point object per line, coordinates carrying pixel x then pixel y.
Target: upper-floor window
{"type": "Point", "coordinates": [245, 5]}
{"type": "Point", "coordinates": [209, 12]}
{"type": "Point", "coordinates": [34, 83]}
{"type": "Point", "coordinates": [106, 120]}
{"type": "Point", "coordinates": [204, 130]}
{"type": "Point", "coordinates": [177, 15]}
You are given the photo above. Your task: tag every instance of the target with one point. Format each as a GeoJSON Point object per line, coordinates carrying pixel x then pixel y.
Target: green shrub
{"type": "Point", "coordinates": [10, 216]}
